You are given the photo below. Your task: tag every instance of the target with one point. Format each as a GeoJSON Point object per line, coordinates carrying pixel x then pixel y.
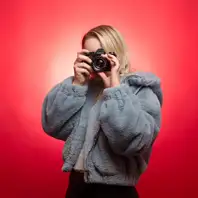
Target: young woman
{"type": "Point", "coordinates": [108, 119]}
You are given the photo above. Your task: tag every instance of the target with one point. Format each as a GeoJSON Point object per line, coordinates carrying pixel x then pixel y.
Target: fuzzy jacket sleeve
{"type": "Point", "coordinates": [60, 108]}
{"type": "Point", "coordinates": [130, 122]}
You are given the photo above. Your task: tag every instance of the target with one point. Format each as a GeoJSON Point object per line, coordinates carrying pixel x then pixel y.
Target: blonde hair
{"type": "Point", "coordinates": [111, 41]}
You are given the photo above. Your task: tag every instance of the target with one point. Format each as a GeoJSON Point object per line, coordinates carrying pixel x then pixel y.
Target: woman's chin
{"type": "Point", "coordinates": [96, 78]}
{"type": "Point", "coordinates": [92, 76]}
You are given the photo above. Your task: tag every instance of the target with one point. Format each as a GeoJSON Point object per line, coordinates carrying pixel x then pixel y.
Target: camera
{"type": "Point", "coordinates": [99, 63]}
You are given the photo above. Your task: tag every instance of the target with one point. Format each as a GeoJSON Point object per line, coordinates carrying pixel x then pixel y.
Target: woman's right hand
{"type": "Point", "coordinates": [82, 69]}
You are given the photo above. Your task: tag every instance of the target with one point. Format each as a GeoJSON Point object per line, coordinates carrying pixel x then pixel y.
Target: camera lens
{"type": "Point", "coordinates": [99, 63]}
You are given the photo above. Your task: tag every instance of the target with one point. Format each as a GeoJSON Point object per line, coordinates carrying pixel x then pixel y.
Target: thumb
{"type": "Point", "coordinates": [103, 76]}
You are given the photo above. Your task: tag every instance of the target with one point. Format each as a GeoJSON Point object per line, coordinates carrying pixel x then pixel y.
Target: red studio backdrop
{"type": "Point", "coordinates": [39, 41]}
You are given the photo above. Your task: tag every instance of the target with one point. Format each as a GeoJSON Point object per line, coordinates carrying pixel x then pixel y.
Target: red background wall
{"type": "Point", "coordinates": [39, 44]}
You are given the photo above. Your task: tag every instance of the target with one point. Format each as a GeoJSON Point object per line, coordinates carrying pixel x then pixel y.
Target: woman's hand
{"type": "Point", "coordinates": [111, 79]}
{"type": "Point", "coordinates": [82, 69]}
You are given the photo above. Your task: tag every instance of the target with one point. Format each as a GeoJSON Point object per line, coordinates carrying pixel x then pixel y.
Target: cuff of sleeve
{"type": "Point", "coordinates": [74, 90]}
{"type": "Point", "coordinates": [115, 92]}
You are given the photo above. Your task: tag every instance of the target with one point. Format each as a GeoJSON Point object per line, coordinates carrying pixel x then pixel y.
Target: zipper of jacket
{"type": "Point", "coordinates": [86, 174]}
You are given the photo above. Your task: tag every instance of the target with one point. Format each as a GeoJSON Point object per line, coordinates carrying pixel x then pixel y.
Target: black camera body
{"type": "Point", "coordinates": [99, 63]}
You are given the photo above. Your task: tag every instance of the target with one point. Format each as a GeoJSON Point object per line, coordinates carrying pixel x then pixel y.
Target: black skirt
{"type": "Point", "coordinates": [79, 189]}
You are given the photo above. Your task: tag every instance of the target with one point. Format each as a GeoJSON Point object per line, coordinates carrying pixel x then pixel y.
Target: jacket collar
{"type": "Point", "coordinates": [145, 79]}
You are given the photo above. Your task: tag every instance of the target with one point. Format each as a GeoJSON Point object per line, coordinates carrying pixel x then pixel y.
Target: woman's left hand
{"type": "Point", "coordinates": [111, 79]}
